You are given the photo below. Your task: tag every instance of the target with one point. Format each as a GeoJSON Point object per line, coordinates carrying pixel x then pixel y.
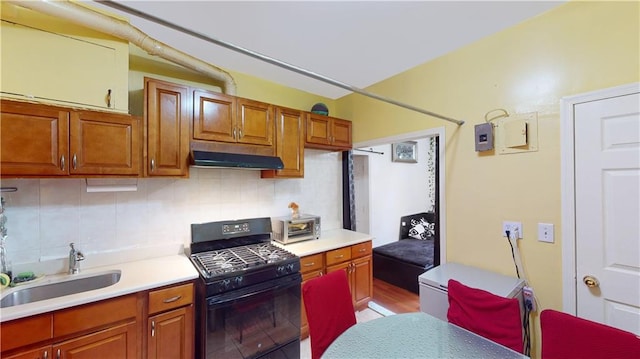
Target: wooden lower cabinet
{"type": "Point", "coordinates": [44, 352]}
{"type": "Point", "coordinates": [171, 334]}
{"type": "Point", "coordinates": [170, 326]}
{"type": "Point", "coordinates": [356, 260]}
{"type": "Point", "coordinates": [119, 341]}
{"type": "Point", "coordinates": [311, 267]}
{"type": "Point", "coordinates": [110, 328]}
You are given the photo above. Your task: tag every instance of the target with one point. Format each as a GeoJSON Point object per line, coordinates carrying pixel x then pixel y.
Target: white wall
{"type": "Point", "coordinates": [397, 189]}
{"type": "Point", "coordinates": [45, 215]}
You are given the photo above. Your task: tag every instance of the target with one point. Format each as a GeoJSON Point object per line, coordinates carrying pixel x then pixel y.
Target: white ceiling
{"type": "Point", "coordinates": [358, 43]}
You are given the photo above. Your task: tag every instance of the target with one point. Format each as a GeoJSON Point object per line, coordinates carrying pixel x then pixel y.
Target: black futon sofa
{"type": "Point", "coordinates": [400, 263]}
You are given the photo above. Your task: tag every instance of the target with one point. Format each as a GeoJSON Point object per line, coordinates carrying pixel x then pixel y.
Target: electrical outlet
{"type": "Point", "coordinates": [514, 228]}
{"type": "Point", "coordinates": [529, 299]}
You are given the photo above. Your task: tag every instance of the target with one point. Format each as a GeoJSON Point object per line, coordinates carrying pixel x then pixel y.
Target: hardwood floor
{"type": "Point", "coordinates": [395, 299]}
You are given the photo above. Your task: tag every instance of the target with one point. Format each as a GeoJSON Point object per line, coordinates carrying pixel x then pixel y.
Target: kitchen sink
{"type": "Point", "coordinates": [58, 289]}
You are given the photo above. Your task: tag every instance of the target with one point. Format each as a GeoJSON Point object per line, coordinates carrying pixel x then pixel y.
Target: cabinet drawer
{"type": "Point", "coordinates": [21, 332]}
{"type": "Point", "coordinates": [311, 263]}
{"type": "Point", "coordinates": [338, 255]}
{"type": "Point", "coordinates": [94, 315]}
{"type": "Point", "coordinates": [169, 298]}
{"type": "Point", "coordinates": [361, 250]}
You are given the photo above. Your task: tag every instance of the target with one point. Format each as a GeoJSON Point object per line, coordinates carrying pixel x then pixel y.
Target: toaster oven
{"type": "Point", "coordinates": [289, 230]}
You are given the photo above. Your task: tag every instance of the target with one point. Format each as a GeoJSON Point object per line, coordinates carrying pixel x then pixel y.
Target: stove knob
{"type": "Point", "coordinates": [225, 284]}
{"type": "Point", "coordinates": [290, 267]}
{"type": "Point", "coordinates": [281, 270]}
{"type": "Point", "coordinates": [237, 281]}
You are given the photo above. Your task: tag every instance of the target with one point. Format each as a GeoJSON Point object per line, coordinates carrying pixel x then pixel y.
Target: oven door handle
{"type": "Point", "coordinates": [236, 295]}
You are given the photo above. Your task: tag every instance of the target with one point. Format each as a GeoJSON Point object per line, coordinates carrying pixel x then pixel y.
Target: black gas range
{"type": "Point", "coordinates": [248, 293]}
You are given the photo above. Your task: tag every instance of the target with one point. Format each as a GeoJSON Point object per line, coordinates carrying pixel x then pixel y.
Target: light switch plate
{"type": "Point", "coordinates": [545, 232]}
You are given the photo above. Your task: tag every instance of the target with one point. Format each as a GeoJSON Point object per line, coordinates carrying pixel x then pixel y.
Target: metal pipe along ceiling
{"type": "Point", "coordinates": [121, 29]}
{"type": "Point", "coordinates": [271, 60]}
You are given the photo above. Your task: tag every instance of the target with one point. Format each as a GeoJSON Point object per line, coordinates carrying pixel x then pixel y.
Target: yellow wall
{"type": "Point", "coordinates": [575, 48]}
{"type": "Point", "coordinates": [142, 64]}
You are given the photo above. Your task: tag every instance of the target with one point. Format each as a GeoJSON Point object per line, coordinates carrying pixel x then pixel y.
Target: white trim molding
{"type": "Point", "coordinates": [567, 105]}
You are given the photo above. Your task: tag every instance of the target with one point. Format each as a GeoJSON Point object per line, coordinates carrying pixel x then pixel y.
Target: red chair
{"type": "Point", "coordinates": [327, 302]}
{"type": "Point", "coordinates": [567, 336]}
{"type": "Point", "coordinates": [486, 314]}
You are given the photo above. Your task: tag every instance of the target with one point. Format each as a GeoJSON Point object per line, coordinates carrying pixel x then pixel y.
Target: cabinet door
{"type": "Point", "coordinates": [289, 144]}
{"type": "Point", "coordinates": [318, 129]}
{"type": "Point", "coordinates": [254, 122]}
{"type": "Point", "coordinates": [341, 133]}
{"type": "Point", "coordinates": [44, 352]}
{"type": "Point", "coordinates": [167, 120]}
{"type": "Point", "coordinates": [214, 117]}
{"type": "Point", "coordinates": [104, 144]}
{"type": "Point", "coordinates": [362, 285]}
{"type": "Point", "coordinates": [63, 62]}
{"type": "Point", "coordinates": [116, 342]}
{"type": "Point", "coordinates": [171, 334]}
{"type": "Point", "coordinates": [33, 140]}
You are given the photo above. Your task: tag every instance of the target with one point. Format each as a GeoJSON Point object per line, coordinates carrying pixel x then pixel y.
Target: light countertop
{"type": "Point", "coordinates": [135, 276]}
{"type": "Point", "coordinates": [329, 240]}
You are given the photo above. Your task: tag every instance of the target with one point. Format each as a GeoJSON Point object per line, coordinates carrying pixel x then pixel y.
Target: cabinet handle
{"type": "Point", "coordinates": [320, 274]}
{"type": "Point", "coordinates": [45, 355]}
{"type": "Point", "coordinates": [310, 264]}
{"type": "Point", "coordinates": [235, 130]}
{"type": "Point", "coordinates": [363, 249]}
{"type": "Point", "coordinates": [340, 256]}
{"type": "Point", "coordinates": [109, 98]}
{"type": "Point", "coordinates": [74, 161]}
{"type": "Point", "coordinates": [153, 165]}
{"type": "Point", "coordinates": [241, 134]}
{"type": "Point", "coordinates": [153, 328]}
{"type": "Point", "coordinates": [62, 162]}
{"type": "Point", "coordinates": [58, 354]}
{"type": "Point", "coordinates": [172, 299]}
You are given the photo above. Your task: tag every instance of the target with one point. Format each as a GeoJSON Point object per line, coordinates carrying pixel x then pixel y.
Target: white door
{"type": "Point", "coordinates": [607, 210]}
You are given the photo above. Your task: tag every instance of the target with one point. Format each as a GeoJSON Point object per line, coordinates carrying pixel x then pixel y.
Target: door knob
{"type": "Point", "coordinates": [591, 281]}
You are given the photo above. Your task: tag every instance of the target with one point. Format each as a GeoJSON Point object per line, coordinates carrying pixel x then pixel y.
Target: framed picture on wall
{"type": "Point", "coordinates": [405, 152]}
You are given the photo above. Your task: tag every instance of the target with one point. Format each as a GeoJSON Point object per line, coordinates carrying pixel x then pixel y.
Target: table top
{"type": "Point", "coordinates": [414, 335]}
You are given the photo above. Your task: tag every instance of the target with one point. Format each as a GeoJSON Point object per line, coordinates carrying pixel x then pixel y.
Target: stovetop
{"type": "Point", "coordinates": [237, 254]}
{"type": "Point", "coordinates": [238, 259]}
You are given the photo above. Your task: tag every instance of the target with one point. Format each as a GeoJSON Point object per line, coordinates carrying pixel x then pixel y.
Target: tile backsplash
{"type": "Point", "coordinates": [45, 215]}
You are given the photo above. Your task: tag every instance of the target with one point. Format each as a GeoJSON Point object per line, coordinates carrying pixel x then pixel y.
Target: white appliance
{"type": "Point", "coordinates": [433, 286]}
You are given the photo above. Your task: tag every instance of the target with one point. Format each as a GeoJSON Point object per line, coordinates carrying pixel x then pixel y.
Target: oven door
{"type": "Point", "coordinates": [260, 321]}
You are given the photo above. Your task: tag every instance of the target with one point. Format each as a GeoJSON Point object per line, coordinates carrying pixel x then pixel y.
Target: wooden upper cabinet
{"type": "Point", "coordinates": [40, 140]}
{"type": "Point", "coordinates": [254, 122]}
{"type": "Point", "coordinates": [223, 118]}
{"type": "Point", "coordinates": [167, 128]}
{"type": "Point", "coordinates": [214, 116]}
{"type": "Point", "coordinates": [289, 143]}
{"type": "Point", "coordinates": [104, 143]}
{"type": "Point", "coordinates": [328, 133]}
{"type": "Point", "coordinates": [34, 140]}
{"type": "Point", "coordinates": [341, 133]}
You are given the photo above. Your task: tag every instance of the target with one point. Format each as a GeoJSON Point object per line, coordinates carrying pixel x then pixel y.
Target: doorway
{"type": "Point", "coordinates": [367, 213]}
{"type": "Point", "coordinates": [601, 187]}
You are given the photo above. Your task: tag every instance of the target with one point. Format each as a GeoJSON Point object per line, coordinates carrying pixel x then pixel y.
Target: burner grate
{"type": "Point", "coordinates": [240, 258]}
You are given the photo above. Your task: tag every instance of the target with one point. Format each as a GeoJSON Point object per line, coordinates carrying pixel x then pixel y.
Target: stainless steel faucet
{"type": "Point", "coordinates": [75, 256]}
